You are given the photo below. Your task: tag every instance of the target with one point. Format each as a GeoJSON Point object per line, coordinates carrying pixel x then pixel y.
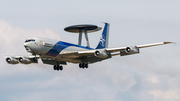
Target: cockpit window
{"type": "Point", "coordinates": [29, 40]}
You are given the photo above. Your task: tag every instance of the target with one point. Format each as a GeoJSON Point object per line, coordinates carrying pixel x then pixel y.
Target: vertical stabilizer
{"type": "Point", "coordinates": [103, 43]}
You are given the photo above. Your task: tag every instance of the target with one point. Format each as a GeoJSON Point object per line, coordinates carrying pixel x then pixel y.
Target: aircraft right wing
{"type": "Point", "coordinates": [21, 59]}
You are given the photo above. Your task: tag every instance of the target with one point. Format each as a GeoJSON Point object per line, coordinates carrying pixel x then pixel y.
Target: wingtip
{"type": "Point", "coordinates": [169, 43]}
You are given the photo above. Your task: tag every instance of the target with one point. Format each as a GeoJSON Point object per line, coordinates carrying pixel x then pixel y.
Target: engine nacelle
{"type": "Point", "coordinates": [101, 53]}
{"type": "Point", "coordinates": [129, 50]}
{"type": "Point", "coordinates": [132, 49]}
{"type": "Point", "coordinates": [24, 60]}
{"type": "Point", "coordinates": [11, 60]}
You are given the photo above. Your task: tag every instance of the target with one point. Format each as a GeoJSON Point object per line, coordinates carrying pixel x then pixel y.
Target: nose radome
{"type": "Point", "coordinates": [25, 44]}
{"type": "Point", "coordinates": [27, 47]}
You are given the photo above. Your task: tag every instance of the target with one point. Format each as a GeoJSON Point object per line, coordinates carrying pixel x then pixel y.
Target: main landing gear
{"type": "Point", "coordinates": [58, 67]}
{"type": "Point", "coordinates": [83, 65]}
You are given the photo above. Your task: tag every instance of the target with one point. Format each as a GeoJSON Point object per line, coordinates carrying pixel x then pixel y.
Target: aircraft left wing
{"type": "Point", "coordinates": [133, 49]}
{"type": "Point", "coordinates": [103, 53]}
{"type": "Point", "coordinates": [138, 46]}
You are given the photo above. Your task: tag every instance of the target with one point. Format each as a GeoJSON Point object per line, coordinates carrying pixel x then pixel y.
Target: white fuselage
{"type": "Point", "coordinates": [53, 48]}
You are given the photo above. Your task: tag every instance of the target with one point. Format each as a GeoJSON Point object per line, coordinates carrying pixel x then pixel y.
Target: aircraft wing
{"type": "Point", "coordinates": [138, 46]}
{"type": "Point", "coordinates": [21, 59]}
{"type": "Point", "coordinates": [121, 51]}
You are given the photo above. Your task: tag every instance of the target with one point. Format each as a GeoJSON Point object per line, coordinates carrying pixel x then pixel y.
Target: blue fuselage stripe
{"type": "Point", "coordinates": [59, 46]}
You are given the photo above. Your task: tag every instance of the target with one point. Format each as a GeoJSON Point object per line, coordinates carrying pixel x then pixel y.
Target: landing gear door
{"type": "Point", "coordinates": [52, 61]}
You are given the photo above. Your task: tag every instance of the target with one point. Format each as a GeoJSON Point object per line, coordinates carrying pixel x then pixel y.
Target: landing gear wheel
{"type": "Point", "coordinates": [83, 65]}
{"type": "Point", "coordinates": [61, 67]}
{"type": "Point", "coordinates": [86, 65]}
{"type": "Point", "coordinates": [80, 65]}
{"type": "Point", "coordinates": [35, 59]}
{"type": "Point", "coordinates": [55, 67]}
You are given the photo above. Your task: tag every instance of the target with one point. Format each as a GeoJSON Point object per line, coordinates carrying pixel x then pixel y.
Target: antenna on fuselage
{"type": "Point", "coordinates": [85, 28]}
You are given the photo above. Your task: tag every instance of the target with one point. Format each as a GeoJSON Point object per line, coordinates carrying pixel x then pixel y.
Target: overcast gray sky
{"type": "Point", "coordinates": [152, 75]}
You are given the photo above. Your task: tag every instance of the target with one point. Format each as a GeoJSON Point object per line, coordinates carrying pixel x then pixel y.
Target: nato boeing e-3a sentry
{"type": "Point", "coordinates": [58, 53]}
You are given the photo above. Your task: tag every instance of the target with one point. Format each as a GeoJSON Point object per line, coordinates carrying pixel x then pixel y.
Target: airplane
{"type": "Point", "coordinates": [58, 53]}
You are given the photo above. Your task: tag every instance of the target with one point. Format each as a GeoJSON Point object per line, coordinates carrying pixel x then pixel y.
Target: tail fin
{"type": "Point", "coordinates": [103, 43]}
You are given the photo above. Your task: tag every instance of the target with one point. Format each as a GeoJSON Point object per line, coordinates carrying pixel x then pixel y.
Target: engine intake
{"type": "Point", "coordinates": [11, 60]}
{"type": "Point", "coordinates": [101, 53]}
{"type": "Point", "coordinates": [129, 50]}
{"type": "Point", "coordinates": [24, 60]}
{"type": "Point", "coordinates": [132, 49]}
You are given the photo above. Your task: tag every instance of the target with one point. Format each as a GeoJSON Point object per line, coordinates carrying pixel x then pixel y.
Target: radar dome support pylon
{"type": "Point", "coordinates": [83, 29]}
{"type": "Point", "coordinates": [80, 37]}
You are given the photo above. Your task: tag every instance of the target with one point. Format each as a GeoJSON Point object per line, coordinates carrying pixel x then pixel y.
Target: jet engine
{"type": "Point", "coordinates": [101, 53]}
{"type": "Point", "coordinates": [132, 49]}
{"type": "Point", "coordinates": [129, 50]}
{"type": "Point", "coordinates": [11, 60]}
{"type": "Point", "coordinates": [24, 60]}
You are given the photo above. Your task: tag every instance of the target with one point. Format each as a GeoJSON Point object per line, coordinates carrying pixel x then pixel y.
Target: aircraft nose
{"type": "Point", "coordinates": [27, 47]}
{"type": "Point", "coordinates": [25, 44]}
